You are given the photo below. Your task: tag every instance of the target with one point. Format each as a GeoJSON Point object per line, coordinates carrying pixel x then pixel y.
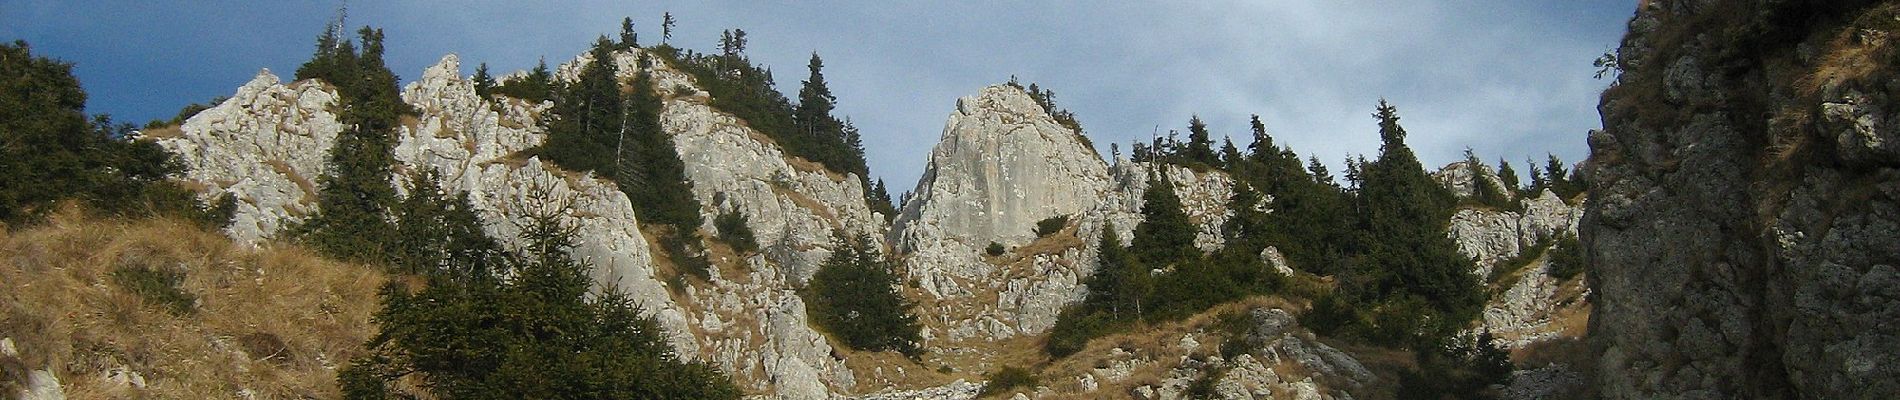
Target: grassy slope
{"type": "Point", "coordinates": [275, 322]}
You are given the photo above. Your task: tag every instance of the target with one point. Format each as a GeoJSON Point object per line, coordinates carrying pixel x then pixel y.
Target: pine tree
{"type": "Point", "coordinates": [1164, 235]}
{"type": "Point", "coordinates": [535, 87]}
{"type": "Point", "coordinates": [1119, 282]}
{"type": "Point", "coordinates": [1556, 177]}
{"type": "Point", "coordinates": [1319, 172]}
{"type": "Point", "coordinates": [1509, 176]}
{"type": "Point", "coordinates": [854, 297]}
{"type": "Point", "coordinates": [1200, 146]}
{"type": "Point", "coordinates": [354, 195]}
{"type": "Point", "coordinates": [484, 84]}
{"type": "Point", "coordinates": [1410, 262]}
{"type": "Point", "coordinates": [666, 28]}
{"type": "Point", "coordinates": [1229, 155]}
{"type": "Point", "coordinates": [822, 136]}
{"type": "Point", "coordinates": [1482, 190]}
{"type": "Point", "coordinates": [589, 117]}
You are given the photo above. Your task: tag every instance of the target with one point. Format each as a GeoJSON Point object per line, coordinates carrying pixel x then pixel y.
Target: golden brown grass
{"type": "Point", "coordinates": [166, 132]}
{"type": "Point", "coordinates": [1158, 342]}
{"type": "Point", "coordinates": [274, 322]}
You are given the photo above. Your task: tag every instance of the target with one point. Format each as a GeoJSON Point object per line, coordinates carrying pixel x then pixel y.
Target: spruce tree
{"type": "Point", "coordinates": [1164, 236]}
{"type": "Point", "coordinates": [854, 297]}
{"type": "Point", "coordinates": [1410, 262]}
{"type": "Point", "coordinates": [354, 195]}
{"type": "Point", "coordinates": [588, 118]}
{"type": "Point", "coordinates": [1119, 282]}
{"type": "Point", "coordinates": [1200, 146]}
{"type": "Point", "coordinates": [1509, 176]}
{"type": "Point", "coordinates": [628, 38]}
{"type": "Point", "coordinates": [484, 84]}
{"type": "Point", "coordinates": [535, 87]}
{"type": "Point", "coordinates": [654, 176]}
{"type": "Point", "coordinates": [1229, 155]}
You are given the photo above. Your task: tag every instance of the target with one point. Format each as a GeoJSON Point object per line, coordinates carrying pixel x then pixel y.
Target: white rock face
{"type": "Point", "coordinates": [271, 137]}
{"type": "Point", "coordinates": [1002, 165]}
{"type": "Point", "coordinates": [1281, 345]}
{"type": "Point", "coordinates": [259, 146]}
{"type": "Point", "coordinates": [1461, 178]}
{"type": "Point", "coordinates": [1491, 236]}
{"type": "Point", "coordinates": [38, 384]}
{"type": "Point", "coordinates": [1523, 313]}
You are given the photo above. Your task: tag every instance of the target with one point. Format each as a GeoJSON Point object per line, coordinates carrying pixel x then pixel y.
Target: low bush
{"type": "Point", "coordinates": [734, 230]}
{"type": "Point", "coordinates": [156, 286]}
{"type": "Point", "coordinates": [1566, 258]}
{"type": "Point", "coordinates": [995, 249]}
{"type": "Point", "coordinates": [1051, 225]}
{"type": "Point", "coordinates": [1008, 378]}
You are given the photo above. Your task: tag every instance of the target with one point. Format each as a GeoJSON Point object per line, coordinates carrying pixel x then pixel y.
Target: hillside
{"type": "Point", "coordinates": [104, 308]}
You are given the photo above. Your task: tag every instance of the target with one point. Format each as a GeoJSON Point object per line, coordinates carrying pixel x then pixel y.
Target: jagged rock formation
{"type": "Point", "coordinates": [1744, 222]}
{"type": "Point", "coordinates": [36, 384]}
{"type": "Point", "coordinates": [267, 145]}
{"type": "Point", "coordinates": [1002, 165]}
{"type": "Point", "coordinates": [1525, 311]}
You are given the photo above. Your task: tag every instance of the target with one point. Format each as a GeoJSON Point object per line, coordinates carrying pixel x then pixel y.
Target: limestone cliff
{"type": "Point", "coordinates": [1002, 165]}
{"type": "Point", "coordinates": [1744, 220]}
{"type": "Point", "coordinates": [268, 143]}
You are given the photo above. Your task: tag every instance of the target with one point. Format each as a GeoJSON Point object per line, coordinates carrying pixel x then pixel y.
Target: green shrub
{"type": "Point", "coordinates": [854, 297]}
{"type": "Point", "coordinates": [158, 287]}
{"type": "Point", "coordinates": [734, 230]}
{"type": "Point", "coordinates": [1008, 378]}
{"type": "Point", "coordinates": [1566, 258]}
{"type": "Point", "coordinates": [1074, 328]}
{"type": "Point", "coordinates": [1051, 225]}
{"type": "Point", "coordinates": [995, 249]}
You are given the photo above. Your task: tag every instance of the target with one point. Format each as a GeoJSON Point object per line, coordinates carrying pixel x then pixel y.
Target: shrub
{"type": "Point", "coordinates": [1566, 258]}
{"type": "Point", "coordinates": [854, 297]}
{"type": "Point", "coordinates": [733, 230]}
{"type": "Point", "coordinates": [155, 286]}
{"type": "Point", "coordinates": [1051, 225]}
{"type": "Point", "coordinates": [1010, 377]}
{"type": "Point", "coordinates": [995, 249]}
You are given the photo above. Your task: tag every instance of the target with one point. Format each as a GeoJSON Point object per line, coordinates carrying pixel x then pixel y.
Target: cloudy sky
{"type": "Point", "coordinates": [1506, 78]}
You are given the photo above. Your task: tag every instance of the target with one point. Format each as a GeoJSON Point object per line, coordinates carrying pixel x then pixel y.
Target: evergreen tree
{"type": "Point", "coordinates": [824, 138]}
{"type": "Point", "coordinates": [1538, 179]}
{"type": "Point", "coordinates": [484, 84]}
{"type": "Point", "coordinates": [666, 28]}
{"type": "Point", "coordinates": [880, 200]}
{"type": "Point", "coordinates": [1164, 235]}
{"type": "Point", "coordinates": [535, 87]}
{"type": "Point", "coordinates": [50, 150]}
{"type": "Point", "coordinates": [587, 127]}
{"type": "Point", "coordinates": [1119, 281]}
{"type": "Point", "coordinates": [1410, 266]}
{"type": "Point", "coordinates": [653, 175]}
{"type": "Point", "coordinates": [855, 298]}
{"type": "Point", "coordinates": [1557, 177]}
{"type": "Point", "coordinates": [1200, 147]}
{"type": "Point", "coordinates": [1319, 172]}
{"type": "Point", "coordinates": [354, 195]}
{"type": "Point", "coordinates": [1509, 176]}
{"type": "Point", "coordinates": [1482, 190]}
{"type": "Point", "coordinates": [538, 333]}
{"type": "Point", "coordinates": [439, 235]}
{"type": "Point", "coordinates": [1229, 155]}
{"type": "Point", "coordinates": [628, 38]}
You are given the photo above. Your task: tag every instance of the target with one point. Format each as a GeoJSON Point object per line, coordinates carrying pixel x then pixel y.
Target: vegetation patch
{"type": "Point", "coordinates": [1007, 380]}
{"type": "Point", "coordinates": [156, 286]}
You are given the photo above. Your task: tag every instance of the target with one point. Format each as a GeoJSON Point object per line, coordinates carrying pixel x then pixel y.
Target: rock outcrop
{"type": "Point", "coordinates": [268, 144]}
{"type": "Point", "coordinates": [1744, 221]}
{"type": "Point", "coordinates": [1002, 165]}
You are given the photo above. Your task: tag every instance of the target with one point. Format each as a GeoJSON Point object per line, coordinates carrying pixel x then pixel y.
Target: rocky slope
{"type": "Point", "coordinates": [1745, 214]}
{"type": "Point", "coordinates": [1002, 165]}
{"type": "Point", "coordinates": [1527, 304]}
{"type": "Point", "coordinates": [267, 144]}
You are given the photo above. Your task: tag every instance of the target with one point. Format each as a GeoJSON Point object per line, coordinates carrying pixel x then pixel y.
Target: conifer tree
{"type": "Point", "coordinates": [484, 84]}
{"type": "Point", "coordinates": [1119, 282]}
{"type": "Point", "coordinates": [654, 176]}
{"type": "Point", "coordinates": [1229, 155]}
{"type": "Point", "coordinates": [354, 195]}
{"type": "Point", "coordinates": [1410, 262]}
{"type": "Point", "coordinates": [587, 128]}
{"type": "Point", "coordinates": [1200, 146]}
{"type": "Point", "coordinates": [1482, 191]}
{"type": "Point", "coordinates": [666, 28]}
{"type": "Point", "coordinates": [854, 297]}
{"type": "Point", "coordinates": [535, 87]}
{"type": "Point", "coordinates": [1164, 235]}
{"type": "Point", "coordinates": [1509, 176]}
{"type": "Point", "coordinates": [1319, 172]}
{"type": "Point", "coordinates": [628, 38]}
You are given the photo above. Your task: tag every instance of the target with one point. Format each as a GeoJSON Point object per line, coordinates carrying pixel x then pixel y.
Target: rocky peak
{"type": "Point", "coordinates": [1002, 164]}
{"type": "Point", "coordinates": [1462, 178]}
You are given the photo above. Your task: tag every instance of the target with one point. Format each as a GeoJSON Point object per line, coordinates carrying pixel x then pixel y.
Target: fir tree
{"type": "Point", "coordinates": [855, 298]}
{"type": "Point", "coordinates": [1164, 235]}
{"type": "Point", "coordinates": [628, 38]}
{"type": "Point", "coordinates": [1229, 155]}
{"type": "Point", "coordinates": [666, 28]}
{"type": "Point", "coordinates": [1319, 172]}
{"type": "Point", "coordinates": [1200, 146]}
{"type": "Point", "coordinates": [484, 84]}
{"type": "Point", "coordinates": [1509, 176]}
{"type": "Point", "coordinates": [589, 118]}
{"type": "Point", "coordinates": [1410, 262]}
{"type": "Point", "coordinates": [654, 177]}
{"type": "Point", "coordinates": [1119, 282]}
{"type": "Point", "coordinates": [535, 87]}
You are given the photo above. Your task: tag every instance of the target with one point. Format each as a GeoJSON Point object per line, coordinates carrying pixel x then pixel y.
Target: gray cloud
{"type": "Point", "coordinates": [1509, 79]}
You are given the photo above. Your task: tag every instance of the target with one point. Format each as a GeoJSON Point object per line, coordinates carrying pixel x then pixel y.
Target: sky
{"type": "Point", "coordinates": [1508, 79]}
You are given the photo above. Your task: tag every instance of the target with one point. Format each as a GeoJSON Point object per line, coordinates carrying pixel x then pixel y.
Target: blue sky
{"type": "Point", "coordinates": [1506, 78]}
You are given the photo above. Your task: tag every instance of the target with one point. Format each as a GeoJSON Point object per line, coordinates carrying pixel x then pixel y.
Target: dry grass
{"type": "Point", "coordinates": [1156, 342]}
{"type": "Point", "coordinates": [167, 132]}
{"type": "Point", "coordinates": [816, 207]}
{"type": "Point", "coordinates": [803, 165]}
{"type": "Point", "coordinates": [275, 322]}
